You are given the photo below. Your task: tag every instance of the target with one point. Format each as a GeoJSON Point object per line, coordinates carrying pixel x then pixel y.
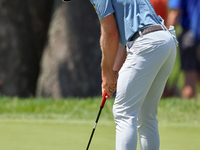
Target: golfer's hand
{"type": "Point", "coordinates": [109, 83]}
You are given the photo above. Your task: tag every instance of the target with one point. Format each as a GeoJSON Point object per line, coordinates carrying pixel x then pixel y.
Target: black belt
{"type": "Point", "coordinates": [146, 31]}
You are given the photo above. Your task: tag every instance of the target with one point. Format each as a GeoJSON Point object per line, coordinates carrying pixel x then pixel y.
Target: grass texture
{"type": "Point", "coordinates": [169, 110]}
{"type": "Point", "coordinates": [67, 124]}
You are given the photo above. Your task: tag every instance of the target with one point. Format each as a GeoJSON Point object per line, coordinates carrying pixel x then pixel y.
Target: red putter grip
{"type": "Point", "coordinates": [104, 99]}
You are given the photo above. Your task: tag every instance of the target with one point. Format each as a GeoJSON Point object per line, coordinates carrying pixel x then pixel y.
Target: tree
{"type": "Point", "coordinates": [23, 29]}
{"type": "Point", "coordinates": [71, 60]}
{"type": "Point", "coordinates": [67, 59]}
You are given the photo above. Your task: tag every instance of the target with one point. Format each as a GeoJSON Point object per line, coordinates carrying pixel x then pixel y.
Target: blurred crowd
{"type": "Point", "coordinates": [186, 14]}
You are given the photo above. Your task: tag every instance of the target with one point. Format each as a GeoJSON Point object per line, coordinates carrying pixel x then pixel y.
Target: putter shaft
{"type": "Point", "coordinates": [97, 119]}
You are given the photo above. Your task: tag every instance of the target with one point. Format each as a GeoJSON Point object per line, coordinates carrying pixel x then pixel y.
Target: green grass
{"type": "Point", "coordinates": [172, 109]}
{"type": "Point", "coordinates": [179, 111]}
{"type": "Point", "coordinates": [67, 124]}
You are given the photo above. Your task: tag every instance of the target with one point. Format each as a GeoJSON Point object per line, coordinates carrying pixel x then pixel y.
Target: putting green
{"type": "Point", "coordinates": [74, 135]}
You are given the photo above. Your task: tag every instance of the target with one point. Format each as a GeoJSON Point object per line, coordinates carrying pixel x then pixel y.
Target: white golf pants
{"type": "Point", "coordinates": [142, 78]}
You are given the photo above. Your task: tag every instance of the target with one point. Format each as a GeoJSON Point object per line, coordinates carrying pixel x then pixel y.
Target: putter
{"type": "Point", "coordinates": [101, 107]}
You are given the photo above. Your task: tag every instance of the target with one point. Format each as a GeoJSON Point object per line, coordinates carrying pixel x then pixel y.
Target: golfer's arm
{"type": "Point", "coordinates": [120, 58]}
{"type": "Point", "coordinates": [173, 17]}
{"type": "Point", "coordinates": [109, 42]}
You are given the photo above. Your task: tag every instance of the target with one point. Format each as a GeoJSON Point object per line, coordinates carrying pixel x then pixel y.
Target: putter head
{"type": "Point", "coordinates": [66, 0]}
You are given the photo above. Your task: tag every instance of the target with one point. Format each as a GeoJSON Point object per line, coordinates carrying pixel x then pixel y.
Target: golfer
{"type": "Point", "coordinates": [136, 46]}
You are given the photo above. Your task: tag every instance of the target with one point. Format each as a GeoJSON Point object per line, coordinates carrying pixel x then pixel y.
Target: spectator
{"type": "Point", "coordinates": [186, 12]}
{"type": "Point", "coordinates": [160, 7]}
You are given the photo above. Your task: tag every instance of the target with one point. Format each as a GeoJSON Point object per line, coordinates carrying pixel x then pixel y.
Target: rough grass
{"type": "Point", "coordinates": [169, 110]}
{"type": "Point", "coordinates": [179, 110]}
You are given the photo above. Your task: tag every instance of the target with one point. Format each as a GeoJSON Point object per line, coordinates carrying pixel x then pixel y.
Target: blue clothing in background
{"type": "Point", "coordinates": [130, 15]}
{"type": "Point", "coordinates": [187, 7]}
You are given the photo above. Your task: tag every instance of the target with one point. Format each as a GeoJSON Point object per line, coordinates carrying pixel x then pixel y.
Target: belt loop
{"type": "Point", "coordinates": [163, 27]}
{"type": "Point", "coordinates": [140, 33]}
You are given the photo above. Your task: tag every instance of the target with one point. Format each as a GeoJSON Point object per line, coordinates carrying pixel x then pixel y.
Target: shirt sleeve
{"type": "Point", "coordinates": [175, 4]}
{"type": "Point", "coordinates": [103, 8]}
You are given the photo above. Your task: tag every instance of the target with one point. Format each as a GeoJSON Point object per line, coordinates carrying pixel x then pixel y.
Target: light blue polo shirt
{"type": "Point", "coordinates": [130, 15]}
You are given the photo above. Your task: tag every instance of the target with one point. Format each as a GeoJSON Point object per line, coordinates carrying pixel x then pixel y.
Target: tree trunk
{"type": "Point", "coordinates": [20, 28]}
{"type": "Point", "coordinates": [71, 60]}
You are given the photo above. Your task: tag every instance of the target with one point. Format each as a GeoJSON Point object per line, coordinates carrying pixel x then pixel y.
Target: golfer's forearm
{"type": "Point", "coordinates": [109, 47]}
{"type": "Point", "coordinates": [120, 58]}
{"type": "Point", "coordinates": [109, 42]}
